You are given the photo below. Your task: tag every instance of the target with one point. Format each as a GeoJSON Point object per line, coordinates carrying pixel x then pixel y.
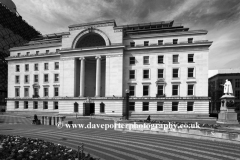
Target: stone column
{"type": "Point", "coordinates": [98, 77]}
{"type": "Point", "coordinates": [82, 76]}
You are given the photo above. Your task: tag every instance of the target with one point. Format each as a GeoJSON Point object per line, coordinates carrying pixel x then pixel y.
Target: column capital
{"type": "Point", "coordinates": [81, 58]}
{"type": "Point", "coordinates": [98, 57]}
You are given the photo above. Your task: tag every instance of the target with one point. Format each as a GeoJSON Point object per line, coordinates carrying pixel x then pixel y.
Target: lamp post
{"type": "Point", "coordinates": [127, 104]}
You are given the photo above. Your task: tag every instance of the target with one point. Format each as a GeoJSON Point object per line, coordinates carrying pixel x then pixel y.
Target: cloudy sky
{"type": "Point", "coordinates": [220, 17]}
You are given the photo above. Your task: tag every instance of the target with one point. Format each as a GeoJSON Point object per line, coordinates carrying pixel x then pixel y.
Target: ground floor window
{"type": "Point", "coordinates": [55, 104]}
{"type": "Point", "coordinates": [145, 106]}
{"type": "Point", "coordinates": [159, 106]}
{"type": "Point", "coordinates": [16, 104]}
{"type": "Point", "coordinates": [190, 106]}
{"type": "Point", "coordinates": [45, 105]}
{"type": "Point", "coordinates": [131, 106]}
{"type": "Point", "coordinates": [25, 104]}
{"type": "Point", "coordinates": [35, 105]}
{"type": "Point", "coordinates": [102, 107]}
{"type": "Point", "coordinates": [174, 106]}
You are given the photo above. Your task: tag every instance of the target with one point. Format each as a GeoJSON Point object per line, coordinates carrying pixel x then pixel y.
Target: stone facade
{"type": "Point", "coordinates": [165, 68]}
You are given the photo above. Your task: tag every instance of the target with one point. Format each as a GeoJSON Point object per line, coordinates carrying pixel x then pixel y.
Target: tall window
{"type": "Point", "coordinates": [56, 77]}
{"type": "Point", "coordinates": [26, 92]}
{"type": "Point", "coordinates": [190, 89]}
{"type": "Point", "coordinates": [190, 40]}
{"type": "Point", "coordinates": [17, 68]}
{"type": "Point", "coordinates": [145, 59]}
{"type": "Point", "coordinates": [45, 105]}
{"type": "Point", "coordinates": [190, 58]}
{"type": "Point", "coordinates": [36, 67]}
{"type": "Point", "coordinates": [36, 78]}
{"type": "Point", "coordinates": [25, 104]}
{"type": "Point", "coordinates": [37, 52]}
{"type": "Point", "coordinates": [175, 73]}
{"type": "Point", "coordinates": [160, 42]}
{"type": "Point", "coordinates": [175, 90]}
{"type": "Point", "coordinates": [26, 79]}
{"type": "Point", "coordinates": [237, 94]}
{"type": "Point", "coordinates": [160, 90]}
{"type": "Point", "coordinates": [131, 90]}
{"type": "Point", "coordinates": [145, 106]}
{"type": "Point", "coordinates": [17, 79]}
{"type": "Point", "coordinates": [174, 106]}
{"type": "Point", "coordinates": [56, 65]}
{"type": "Point", "coordinates": [45, 77]}
{"type": "Point", "coordinates": [131, 106]}
{"type": "Point", "coordinates": [17, 93]}
{"type": "Point", "coordinates": [160, 59]}
{"type": "Point", "coordinates": [146, 74]}
{"type": "Point", "coordinates": [190, 72]}
{"type": "Point", "coordinates": [26, 67]}
{"type": "Point", "coordinates": [102, 107]}
{"type": "Point", "coordinates": [56, 90]}
{"type": "Point", "coordinates": [237, 83]}
{"type": "Point", "coordinates": [175, 41]}
{"type": "Point", "coordinates": [55, 105]}
{"type": "Point", "coordinates": [145, 90]}
{"type": "Point", "coordinates": [132, 44]}
{"type": "Point", "coordinates": [146, 43]}
{"type": "Point", "coordinates": [16, 104]}
{"type": "Point", "coordinates": [132, 74]}
{"type": "Point", "coordinates": [35, 90]}
{"type": "Point", "coordinates": [190, 106]}
{"type": "Point", "coordinates": [47, 51]}
{"type": "Point", "coordinates": [45, 92]}
{"type": "Point", "coordinates": [45, 66]}
{"type": "Point", "coordinates": [175, 58]}
{"type": "Point", "coordinates": [160, 73]}
{"type": "Point", "coordinates": [131, 60]}
{"type": "Point", "coordinates": [159, 106]}
{"type": "Point", "coordinates": [35, 105]}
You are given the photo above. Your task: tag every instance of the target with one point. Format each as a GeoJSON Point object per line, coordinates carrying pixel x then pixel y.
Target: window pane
{"type": "Point", "coordinates": [56, 91]}
{"type": "Point", "coordinates": [132, 60]}
{"type": "Point", "coordinates": [160, 42]}
{"type": "Point", "coordinates": [190, 72]}
{"type": "Point", "coordinates": [190, 40]}
{"type": "Point", "coordinates": [145, 73]}
{"type": "Point", "coordinates": [131, 90]}
{"type": "Point", "coordinates": [132, 74]}
{"type": "Point", "coordinates": [56, 77]}
{"type": "Point", "coordinates": [131, 106]}
{"type": "Point", "coordinates": [174, 106]}
{"type": "Point", "coordinates": [190, 106]}
{"type": "Point", "coordinates": [160, 73]}
{"type": "Point", "coordinates": [145, 90]}
{"type": "Point", "coordinates": [160, 90]}
{"type": "Point", "coordinates": [132, 44]}
{"type": "Point", "coordinates": [175, 58]}
{"type": "Point", "coordinates": [145, 106]}
{"type": "Point", "coordinates": [56, 65]}
{"type": "Point", "coordinates": [175, 90]}
{"type": "Point", "coordinates": [190, 57]}
{"type": "Point", "coordinates": [190, 89]}
{"type": "Point", "coordinates": [175, 73]}
{"type": "Point", "coordinates": [175, 41]}
{"type": "Point", "coordinates": [55, 105]}
{"type": "Point", "coordinates": [159, 106]}
{"type": "Point", "coordinates": [160, 59]}
{"type": "Point", "coordinates": [146, 60]}
{"type": "Point", "coordinates": [146, 43]}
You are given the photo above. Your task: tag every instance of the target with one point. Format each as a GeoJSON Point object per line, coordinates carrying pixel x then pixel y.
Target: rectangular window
{"type": "Point", "coordinates": [56, 65]}
{"type": "Point", "coordinates": [175, 58]}
{"type": "Point", "coordinates": [56, 77]}
{"type": "Point", "coordinates": [25, 104]}
{"type": "Point", "coordinates": [190, 106]}
{"type": "Point", "coordinates": [28, 53]}
{"type": "Point", "coordinates": [16, 104]}
{"type": "Point", "coordinates": [190, 72]}
{"type": "Point", "coordinates": [45, 92]}
{"type": "Point", "coordinates": [160, 90]}
{"type": "Point", "coordinates": [35, 90]}
{"type": "Point", "coordinates": [45, 66]}
{"type": "Point", "coordinates": [174, 106]}
{"type": "Point", "coordinates": [56, 91]}
{"type": "Point", "coordinates": [17, 93]}
{"type": "Point", "coordinates": [102, 108]}
{"type": "Point", "coordinates": [55, 105]}
{"type": "Point", "coordinates": [160, 73]}
{"type": "Point", "coordinates": [45, 105]}
{"type": "Point", "coordinates": [145, 90]}
{"type": "Point", "coordinates": [175, 41]}
{"type": "Point", "coordinates": [159, 106]}
{"type": "Point", "coordinates": [190, 89]}
{"type": "Point", "coordinates": [146, 43]}
{"type": "Point", "coordinates": [190, 58]}
{"type": "Point", "coordinates": [175, 90]}
{"type": "Point", "coordinates": [57, 50]}
{"type": "Point", "coordinates": [237, 83]}
{"type": "Point", "coordinates": [132, 44]}
{"type": "Point", "coordinates": [131, 60]}
{"type": "Point", "coordinates": [146, 74]}
{"type": "Point", "coordinates": [160, 42]}
{"type": "Point", "coordinates": [36, 78]}
{"type": "Point", "coordinates": [17, 68]}
{"type": "Point", "coordinates": [36, 67]}
{"type": "Point", "coordinates": [45, 77]}
{"type": "Point", "coordinates": [131, 106]}
{"type": "Point", "coordinates": [190, 40]}
{"type": "Point", "coordinates": [26, 67]}
{"type": "Point", "coordinates": [237, 94]}
{"type": "Point", "coordinates": [37, 52]}
{"type": "Point", "coordinates": [26, 92]}
{"type": "Point", "coordinates": [35, 105]}
{"type": "Point", "coordinates": [132, 74]}
{"type": "Point", "coordinates": [160, 59]}
{"type": "Point", "coordinates": [145, 59]}
{"type": "Point", "coordinates": [47, 51]}
{"type": "Point", "coordinates": [145, 106]}
{"type": "Point", "coordinates": [131, 90]}
{"type": "Point", "coordinates": [175, 73]}
{"type": "Point", "coordinates": [26, 79]}
{"type": "Point", "coordinates": [17, 79]}
{"type": "Point", "coordinates": [19, 54]}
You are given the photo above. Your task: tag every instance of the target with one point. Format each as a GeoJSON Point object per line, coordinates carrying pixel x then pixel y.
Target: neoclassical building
{"type": "Point", "coordinates": [88, 69]}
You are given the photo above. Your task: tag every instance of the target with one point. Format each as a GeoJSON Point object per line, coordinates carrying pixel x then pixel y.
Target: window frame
{"type": "Point", "coordinates": [46, 92]}
{"type": "Point", "coordinates": [144, 60]}
{"type": "Point", "coordinates": [146, 43]}
{"type": "Point", "coordinates": [131, 106]}
{"type": "Point", "coordinates": [175, 105]}
{"type": "Point", "coordinates": [26, 67]}
{"type": "Point", "coordinates": [174, 56]}
{"type": "Point", "coordinates": [17, 92]}
{"type": "Point", "coordinates": [193, 72]}
{"type": "Point", "coordinates": [17, 69]}
{"type": "Point", "coordinates": [35, 104]}
{"type": "Point", "coordinates": [26, 93]}
{"type": "Point", "coordinates": [175, 41]}
{"type": "Point", "coordinates": [44, 80]}
{"type": "Point", "coordinates": [54, 89]}
{"type": "Point", "coordinates": [17, 79]}
{"type": "Point", "coordinates": [16, 105]}
{"type": "Point", "coordinates": [175, 89]}
{"type": "Point", "coordinates": [148, 90]}
{"type": "Point", "coordinates": [193, 89]}
{"type": "Point", "coordinates": [178, 73]}
{"type": "Point", "coordinates": [54, 105]}
{"type": "Point", "coordinates": [163, 91]}
{"type": "Point", "coordinates": [130, 90]}
{"type": "Point", "coordinates": [132, 70]}
{"type": "Point", "coordinates": [145, 104]}
{"type": "Point", "coordinates": [55, 77]}
{"type": "Point", "coordinates": [132, 44]}
{"type": "Point", "coordinates": [148, 73]}
{"type": "Point", "coordinates": [28, 78]}
{"type": "Point", "coordinates": [46, 66]}
{"type": "Point", "coordinates": [163, 75]}
{"type": "Point", "coordinates": [160, 42]}
{"type": "Point", "coordinates": [158, 106]}
{"type": "Point", "coordinates": [36, 67]}
{"type": "Point", "coordinates": [56, 64]}
{"type": "Point", "coordinates": [190, 59]}
{"type": "Point", "coordinates": [25, 104]}
{"type": "Point", "coordinates": [34, 76]}
{"type": "Point", "coordinates": [190, 104]}
{"type": "Point", "coordinates": [132, 60]}
{"type": "Point", "coordinates": [45, 104]}
{"type": "Point", "coordinates": [160, 59]}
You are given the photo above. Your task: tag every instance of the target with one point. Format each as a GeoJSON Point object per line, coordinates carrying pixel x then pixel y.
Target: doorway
{"type": "Point", "coordinates": [88, 109]}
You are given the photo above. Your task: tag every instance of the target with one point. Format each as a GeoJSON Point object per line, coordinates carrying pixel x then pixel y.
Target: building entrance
{"type": "Point", "coordinates": [88, 109]}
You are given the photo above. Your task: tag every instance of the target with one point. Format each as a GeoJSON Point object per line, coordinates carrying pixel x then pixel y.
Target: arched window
{"type": "Point", "coordinates": [90, 40]}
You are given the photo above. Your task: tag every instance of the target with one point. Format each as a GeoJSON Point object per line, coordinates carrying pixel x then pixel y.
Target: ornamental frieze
{"type": "Point", "coordinates": [91, 26]}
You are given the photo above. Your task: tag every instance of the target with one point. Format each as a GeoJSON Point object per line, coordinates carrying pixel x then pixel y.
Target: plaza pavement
{"type": "Point", "coordinates": [111, 145]}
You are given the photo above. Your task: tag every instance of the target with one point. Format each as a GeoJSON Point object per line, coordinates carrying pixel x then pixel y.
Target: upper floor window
{"type": "Point", "coordinates": [160, 73]}
{"type": "Point", "coordinates": [56, 65]}
{"type": "Point", "coordinates": [175, 90]}
{"type": "Point", "coordinates": [26, 92]}
{"type": "Point", "coordinates": [174, 106]}
{"type": "Point", "coordinates": [175, 58]}
{"type": "Point", "coordinates": [145, 59]}
{"type": "Point", "coordinates": [190, 106]}
{"type": "Point", "coordinates": [56, 91]}
{"type": "Point", "coordinates": [36, 78]}
{"type": "Point", "coordinates": [131, 90]}
{"type": "Point", "coordinates": [132, 44]}
{"type": "Point", "coordinates": [190, 40]}
{"type": "Point", "coordinates": [131, 60]}
{"type": "Point", "coordinates": [146, 74]}
{"type": "Point", "coordinates": [28, 53]}
{"type": "Point", "coordinates": [17, 68]}
{"type": "Point", "coordinates": [131, 106]}
{"type": "Point", "coordinates": [37, 52]}
{"type": "Point", "coordinates": [175, 41]}
{"type": "Point", "coordinates": [190, 72]}
{"type": "Point", "coordinates": [26, 67]}
{"type": "Point", "coordinates": [237, 83]}
{"type": "Point", "coordinates": [36, 67]}
{"type": "Point", "coordinates": [190, 58]}
{"type": "Point", "coordinates": [45, 92]}
{"type": "Point", "coordinates": [175, 72]}
{"type": "Point", "coordinates": [160, 90]}
{"type": "Point", "coordinates": [146, 43]}
{"type": "Point", "coordinates": [56, 77]}
{"type": "Point", "coordinates": [35, 91]}
{"type": "Point", "coordinates": [45, 66]}
{"type": "Point", "coordinates": [146, 90]}
{"type": "Point", "coordinates": [47, 51]}
{"type": "Point", "coordinates": [132, 74]}
{"type": "Point", "coordinates": [145, 106]}
{"type": "Point", "coordinates": [19, 54]}
{"type": "Point", "coordinates": [45, 105]}
{"type": "Point", "coordinates": [237, 94]}
{"type": "Point", "coordinates": [45, 77]}
{"type": "Point", "coordinates": [160, 59]}
{"type": "Point", "coordinates": [190, 89]}
{"type": "Point", "coordinates": [26, 79]}
{"type": "Point", "coordinates": [17, 93]}
{"type": "Point", "coordinates": [55, 105]}
{"type": "Point", "coordinates": [160, 42]}
{"type": "Point", "coordinates": [17, 79]}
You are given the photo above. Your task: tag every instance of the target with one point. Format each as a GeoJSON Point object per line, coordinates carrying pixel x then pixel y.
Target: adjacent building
{"type": "Point", "coordinates": [87, 70]}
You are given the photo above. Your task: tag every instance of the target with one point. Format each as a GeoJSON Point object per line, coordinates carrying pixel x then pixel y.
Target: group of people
{"type": "Point", "coordinates": [21, 148]}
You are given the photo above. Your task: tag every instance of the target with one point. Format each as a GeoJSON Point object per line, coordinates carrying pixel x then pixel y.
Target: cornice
{"type": "Point", "coordinates": [31, 57]}
{"type": "Point", "coordinates": [35, 46]}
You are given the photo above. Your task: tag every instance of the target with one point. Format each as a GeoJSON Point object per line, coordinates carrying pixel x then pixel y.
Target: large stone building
{"type": "Point", "coordinates": [87, 70]}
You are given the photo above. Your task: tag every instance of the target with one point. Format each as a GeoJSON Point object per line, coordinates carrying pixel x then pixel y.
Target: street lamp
{"type": "Point", "coordinates": [127, 104]}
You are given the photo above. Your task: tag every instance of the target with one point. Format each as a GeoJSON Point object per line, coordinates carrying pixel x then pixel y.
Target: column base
{"type": "Point", "coordinates": [227, 117]}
